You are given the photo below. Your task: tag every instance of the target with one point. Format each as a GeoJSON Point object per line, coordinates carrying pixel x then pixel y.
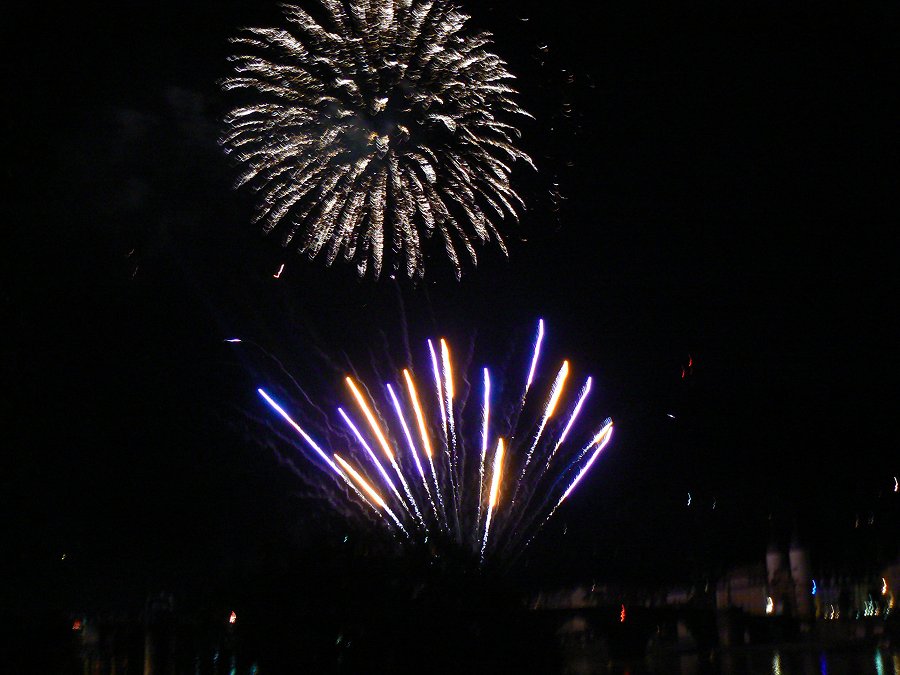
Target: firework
{"type": "Point", "coordinates": [511, 493]}
{"type": "Point", "coordinates": [374, 128]}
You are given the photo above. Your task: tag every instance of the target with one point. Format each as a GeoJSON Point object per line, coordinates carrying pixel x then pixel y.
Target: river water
{"type": "Point", "coordinates": [758, 661]}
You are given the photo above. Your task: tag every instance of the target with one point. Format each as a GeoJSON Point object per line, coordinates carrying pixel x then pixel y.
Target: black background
{"type": "Point", "coordinates": [726, 177]}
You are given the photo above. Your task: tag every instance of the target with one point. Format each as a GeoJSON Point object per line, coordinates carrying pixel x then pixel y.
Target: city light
{"type": "Point", "coordinates": [869, 609]}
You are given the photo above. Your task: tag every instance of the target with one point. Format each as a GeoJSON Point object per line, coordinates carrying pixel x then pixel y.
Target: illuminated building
{"type": "Point", "coordinates": [783, 579]}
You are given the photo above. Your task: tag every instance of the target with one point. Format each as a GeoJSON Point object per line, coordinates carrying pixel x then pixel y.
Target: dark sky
{"type": "Point", "coordinates": [728, 177]}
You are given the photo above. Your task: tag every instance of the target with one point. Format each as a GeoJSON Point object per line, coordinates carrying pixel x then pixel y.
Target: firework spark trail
{"type": "Point", "coordinates": [437, 490]}
{"type": "Point", "coordinates": [412, 451]}
{"type": "Point", "coordinates": [555, 393]}
{"type": "Point", "coordinates": [284, 370]}
{"type": "Point", "coordinates": [426, 444]}
{"type": "Point", "coordinates": [582, 397]}
{"type": "Point", "coordinates": [484, 444]}
{"type": "Point", "coordinates": [438, 385]}
{"type": "Point", "coordinates": [529, 495]}
{"type": "Point", "coordinates": [439, 389]}
{"type": "Point", "coordinates": [370, 417]}
{"type": "Point", "coordinates": [406, 432]}
{"type": "Point", "coordinates": [600, 440]}
{"type": "Point", "coordinates": [495, 487]}
{"type": "Point", "coordinates": [534, 359]}
{"type": "Point", "coordinates": [370, 491]}
{"type": "Point", "coordinates": [409, 495]}
{"type": "Point", "coordinates": [306, 437]}
{"type": "Point", "coordinates": [373, 457]}
{"type": "Point", "coordinates": [451, 426]}
{"type": "Point", "coordinates": [375, 131]}
{"type": "Point", "coordinates": [479, 527]}
{"type": "Point", "coordinates": [539, 338]}
{"type": "Point", "coordinates": [379, 434]}
{"type": "Point", "coordinates": [601, 435]}
{"type": "Point", "coordinates": [465, 390]}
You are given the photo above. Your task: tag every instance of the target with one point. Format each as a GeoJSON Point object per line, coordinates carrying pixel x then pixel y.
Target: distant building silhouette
{"type": "Point", "coordinates": [781, 587]}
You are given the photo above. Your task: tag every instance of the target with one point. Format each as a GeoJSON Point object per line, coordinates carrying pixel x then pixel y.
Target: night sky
{"type": "Point", "coordinates": [714, 184]}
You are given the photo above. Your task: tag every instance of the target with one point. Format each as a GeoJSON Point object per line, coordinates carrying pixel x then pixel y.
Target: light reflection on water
{"type": "Point", "coordinates": [776, 663]}
{"type": "Point", "coordinates": [783, 661]}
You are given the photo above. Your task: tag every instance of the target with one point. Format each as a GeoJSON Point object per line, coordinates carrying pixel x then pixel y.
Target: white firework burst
{"type": "Point", "coordinates": [374, 128]}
